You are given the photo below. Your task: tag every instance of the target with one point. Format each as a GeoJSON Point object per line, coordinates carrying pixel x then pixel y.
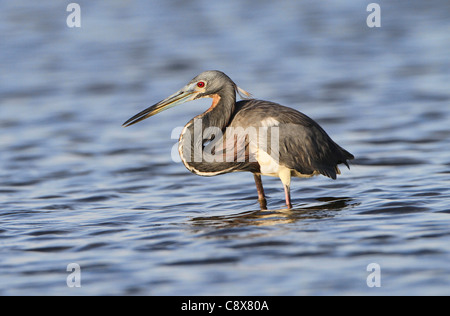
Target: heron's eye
{"type": "Point", "coordinates": [200, 84]}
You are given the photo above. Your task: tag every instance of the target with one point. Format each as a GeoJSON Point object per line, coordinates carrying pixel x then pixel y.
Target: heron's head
{"type": "Point", "coordinates": [208, 84]}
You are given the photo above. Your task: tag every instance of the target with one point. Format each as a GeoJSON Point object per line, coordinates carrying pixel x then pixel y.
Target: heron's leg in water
{"type": "Point", "coordinates": [285, 176]}
{"type": "Point", "coordinates": [261, 196]}
{"type": "Point", "coordinates": [287, 192]}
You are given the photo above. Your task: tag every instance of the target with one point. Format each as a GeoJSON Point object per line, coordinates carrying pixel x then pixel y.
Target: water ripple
{"type": "Point", "coordinates": [75, 187]}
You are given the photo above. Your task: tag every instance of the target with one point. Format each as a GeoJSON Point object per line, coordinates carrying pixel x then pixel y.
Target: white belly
{"type": "Point", "coordinates": [268, 165]}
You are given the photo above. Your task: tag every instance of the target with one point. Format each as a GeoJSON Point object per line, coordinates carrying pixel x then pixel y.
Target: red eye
{"type": "Point", "coordinates": [200, 84]}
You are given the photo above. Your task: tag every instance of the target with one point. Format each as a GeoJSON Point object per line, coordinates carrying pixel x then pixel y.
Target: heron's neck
{"type": "Point", "coordinates": [221, 110]}
{"type": "Point", "coordinates": [204, 127]}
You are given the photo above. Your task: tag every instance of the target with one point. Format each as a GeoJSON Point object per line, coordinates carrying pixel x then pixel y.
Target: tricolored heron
{"type": "Point", "coordinates": [294, 145]}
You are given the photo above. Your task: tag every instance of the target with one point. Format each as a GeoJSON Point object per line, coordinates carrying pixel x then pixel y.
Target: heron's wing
{"type": "Point", "coordinates": [309, 150]}
{"type": "Point", "coordinates": [301, 143]}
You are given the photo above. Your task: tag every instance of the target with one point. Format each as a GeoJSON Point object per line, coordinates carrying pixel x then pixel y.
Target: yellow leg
{"type": "Point", "coordinates": [285, 176]}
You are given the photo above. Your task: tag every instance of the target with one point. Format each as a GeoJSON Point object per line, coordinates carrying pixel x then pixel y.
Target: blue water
{"type": "Point", "coordinates": [76, 187]}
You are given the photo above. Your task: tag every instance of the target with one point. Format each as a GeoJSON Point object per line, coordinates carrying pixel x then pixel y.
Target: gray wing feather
{"type": "Point", "coordinates": [303, 145]}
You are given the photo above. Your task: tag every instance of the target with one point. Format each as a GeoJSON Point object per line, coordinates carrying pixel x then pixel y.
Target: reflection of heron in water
{"type": "Point", "coordinates": [304, 148]}
{"type": "Point", "coordinates": [325, 208]}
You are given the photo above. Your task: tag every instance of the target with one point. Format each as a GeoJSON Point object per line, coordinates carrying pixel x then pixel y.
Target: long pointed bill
{"type": "Point", "coordinates": [184, 95]}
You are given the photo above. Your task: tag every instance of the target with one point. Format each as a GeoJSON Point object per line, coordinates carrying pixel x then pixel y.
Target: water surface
{"type": "Point", "coordinates": [75, 187]}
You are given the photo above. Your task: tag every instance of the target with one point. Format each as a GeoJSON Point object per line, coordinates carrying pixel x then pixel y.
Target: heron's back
{"type": "Point", "coordinates": [303, 145]}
